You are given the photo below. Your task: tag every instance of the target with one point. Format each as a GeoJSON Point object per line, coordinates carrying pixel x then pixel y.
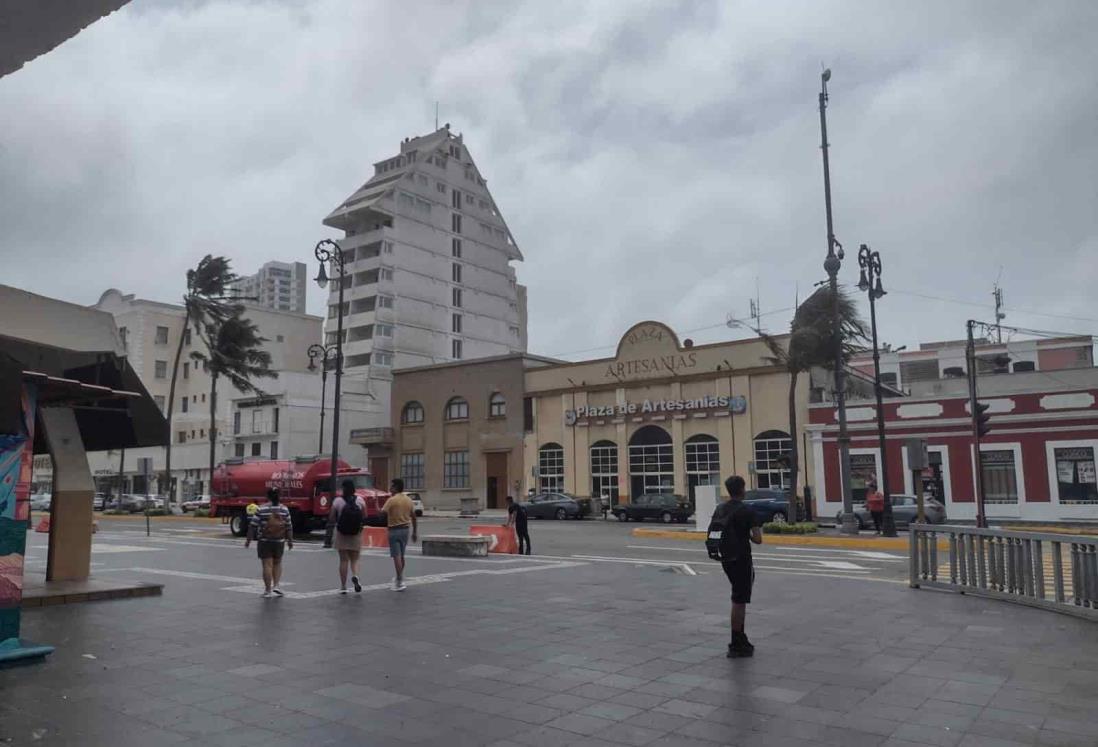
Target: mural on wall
{"type": "Point", "coordinates": [16, 464]}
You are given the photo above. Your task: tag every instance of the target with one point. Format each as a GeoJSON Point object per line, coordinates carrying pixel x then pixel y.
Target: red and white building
{"type": "Point", "coordinates": [1038, 459]}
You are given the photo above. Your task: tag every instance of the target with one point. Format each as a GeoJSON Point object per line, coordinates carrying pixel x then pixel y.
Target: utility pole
{"type": "Point", "coordinates": [999, 315]}
{"type": "Point", "coordinates": [831, 266]}
{"type": "Point", "coordinates": [980, 426]}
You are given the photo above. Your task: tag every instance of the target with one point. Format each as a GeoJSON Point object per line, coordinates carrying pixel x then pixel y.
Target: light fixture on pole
{"type": "Point", "coordinates": [831, 266]}
{"type": "Point", "coordinates": [327, 251]}
{"type": "Point", "coordinates": [324, 352]}
{"type": "Point", "coordinates": [870, 284]}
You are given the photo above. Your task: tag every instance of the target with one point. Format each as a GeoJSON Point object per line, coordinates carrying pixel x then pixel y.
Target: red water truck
{"type": "Point", "coordinates": [303, 483]}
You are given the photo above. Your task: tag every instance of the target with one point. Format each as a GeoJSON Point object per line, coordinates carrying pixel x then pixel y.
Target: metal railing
{"type": "Point", "coordinates": [1053, 571]}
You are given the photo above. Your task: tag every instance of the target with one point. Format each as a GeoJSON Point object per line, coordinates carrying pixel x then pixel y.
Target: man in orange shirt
{"type": "Point", "coordinates": [875, 504]}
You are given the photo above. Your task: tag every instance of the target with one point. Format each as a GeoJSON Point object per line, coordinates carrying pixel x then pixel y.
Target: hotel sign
{"type": "Point", "coordinates": [736, 405]}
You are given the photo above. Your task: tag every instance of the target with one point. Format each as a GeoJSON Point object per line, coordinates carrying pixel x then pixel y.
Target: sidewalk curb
{"type": "Point", "coordinates": [858, 543]}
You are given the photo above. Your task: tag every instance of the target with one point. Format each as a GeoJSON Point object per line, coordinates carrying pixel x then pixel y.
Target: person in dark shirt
{"type": "Point", "coordinates": [516, 517]}
{"type": "Point", "coordinates": [740, 531]}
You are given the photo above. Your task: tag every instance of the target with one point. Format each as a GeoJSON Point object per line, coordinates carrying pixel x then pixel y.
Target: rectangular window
{"type": "Point", "coordinates": [455, 247]}
{"type": "Point", "coordinates": [184, 404]}
{"type": "Point", "coordinates": [257, 421]}
{"type": "Point", "coordinates": [383, 330]}
{"type": "Point", "coordinates": [257, 449]}
{"type": "Point", "coordinates": [159, 402]}
{"type": "Point", "coordinates": [161, 369]}
{"type": "Point", "coordinates": [423, 206]}
{"type": "Point", "coordinates": [455, 273]}
{"type": "Point", "coordinates": [385, 302]}
{"type": "Point", "coordinates": [274, 449]}
{"type": "Point", "coordinates": [551, 468]}
{"type": "Point", "coordinates": [528, 414]}
{"type": "Point", "coordinates": [161, 335]}
{"type": "Point", "coordinates": [381, 358]}
{"type": "Point", "coordinates": [469, 199]}
{"type": "Point", "coordinates": [440, 187]}
{"type": "Point", "coordinates": [1000, 476]}
{"type": "Point", "coordinates": [386, 247]}
{"type": "Point", "coordinates": [455, 324]}
{"type": "Point", "coordinates": [455, 469]}
{"type": "Point", "coordinates": [455, 349]}
{"type": "Point", "coordinates": [1075, 477]}
{"type": "Point", "coordinates": [236, 420]}
{"type": "Point", "coordinates": [181, 437]}
{"type": "Point", "coordinates": [457, 297]}
{"type": "Point", "coordinates": [455, 223]}
{"type": "Point", "coordinates": [275, 422]}
{"type": "Point", "coordinates": [238, 449]}
{"type": "Point", "coordinates": [186, 370]}
{"type": "Point", "coordinates": [514, 331]}
{"type": "Point", "coordinates": [456, 199]}
{"type": "Point", "coordinates": [412, 471]}
{"type": "Point", "coordinates": [385, 274]}
{"type": "Point", "coordinates": [122, 332]}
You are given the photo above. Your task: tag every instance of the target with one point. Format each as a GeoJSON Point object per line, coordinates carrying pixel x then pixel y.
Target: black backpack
{"type": "Point", "coordinates": [350, 518]}
{"type": "Point", "coordinates": [714, 535]}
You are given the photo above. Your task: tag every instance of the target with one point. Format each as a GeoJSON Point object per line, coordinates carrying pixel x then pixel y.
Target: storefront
{"type": "Point", "coordinates": [661, 416]}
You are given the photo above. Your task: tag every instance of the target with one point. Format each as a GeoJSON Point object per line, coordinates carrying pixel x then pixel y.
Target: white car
{"type": "Point", "coordinates": [417, 503]}
{"type": "Point", "coordinates": [41, 501]}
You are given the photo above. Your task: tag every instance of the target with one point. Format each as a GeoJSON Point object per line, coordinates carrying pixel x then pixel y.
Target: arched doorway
{"type": "Point", "coordinates": [703, 462]}
{"type": "Point", "coordinates": [651, 462]}
{"type": "Point", "coordinates": [604, 471]}
{"type": "Point", "coordinates": [770, 473]}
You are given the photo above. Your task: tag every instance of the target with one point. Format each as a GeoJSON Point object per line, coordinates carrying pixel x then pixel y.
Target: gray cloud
{"type": "Point", "coordinates": [652, 158]}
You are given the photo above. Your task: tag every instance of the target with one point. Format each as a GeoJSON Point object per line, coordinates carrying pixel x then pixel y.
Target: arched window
{"type": "Point", "coordinates": [497, 406]}
{"type": "Point", "coordinates": [703, 462]}
{"type": "Point", "coordinates": [604, 471]}
{"type": "Point", "coordinates": [457, 409]}
{"type": "Point", "coordinates": [651, 462]}
{"type": "Point", "coordinates": [769, 447]}
{"type": "Point", "coordinates": [551, 468]}
{"type": "Point", "coordinates": [412, 413]}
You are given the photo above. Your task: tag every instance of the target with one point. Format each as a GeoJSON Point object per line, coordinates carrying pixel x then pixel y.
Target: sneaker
{"type": "Point", "coordinates": [343, 592]}
{"type": "Point", "coordinates": [401, 586]}
{"type": "Point", "coordinates": [277, 592]}
{"type": "Point", "coordinates": [267, 595]}
{"type": "Point", "coordinates": [744, 643]}
{"type": "Point", "coordinates": [357, 585]}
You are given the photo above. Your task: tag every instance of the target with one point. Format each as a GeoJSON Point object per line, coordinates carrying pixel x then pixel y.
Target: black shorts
{"type": "Point", "coordinates": [270, 549]}
{"type": "Point", "coordinates": [742, 577]}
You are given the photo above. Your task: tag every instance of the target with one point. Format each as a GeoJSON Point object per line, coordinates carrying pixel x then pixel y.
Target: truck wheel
{"type": "Point", "coordinates": [238, 526]}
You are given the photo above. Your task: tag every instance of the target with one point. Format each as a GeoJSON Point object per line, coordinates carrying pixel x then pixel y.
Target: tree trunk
{"type": "Point", "coordinates": [213, 430]}
{"type": "Point", "coordinates": [794, 451]}
{"type": "Point", "coordinates": [171, 408]}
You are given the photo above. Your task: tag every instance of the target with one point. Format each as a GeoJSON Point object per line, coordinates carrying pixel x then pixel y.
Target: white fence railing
{"type": "Point", "coordinates": [1054, 571]}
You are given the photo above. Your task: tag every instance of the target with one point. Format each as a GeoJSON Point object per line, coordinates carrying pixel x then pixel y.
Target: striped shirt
{"type": "Point", "coordinates": [263, 515]}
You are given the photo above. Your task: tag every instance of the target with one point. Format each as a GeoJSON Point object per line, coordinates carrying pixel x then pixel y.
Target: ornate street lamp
{"type": "Point", "coordinates": [327, 251]}
{"type": "Point", "coordinates": [870, 283]}
{"type": "Point", "coordinates": [831, 266]}
{"type": "Point", "coordinates": [324, 352]}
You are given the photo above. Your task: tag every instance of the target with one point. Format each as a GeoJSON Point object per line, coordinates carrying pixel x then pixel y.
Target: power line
{"type": "Point", "coordinates": [1014, 309]}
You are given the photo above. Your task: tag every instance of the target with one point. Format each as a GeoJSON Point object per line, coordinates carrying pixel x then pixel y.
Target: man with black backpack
{"type": "Point", "coordinates": [272, 528]}
{"type": "Point", "coordinates": [345, 522]}
{"type": "Point", "coordinates": [732, 530]}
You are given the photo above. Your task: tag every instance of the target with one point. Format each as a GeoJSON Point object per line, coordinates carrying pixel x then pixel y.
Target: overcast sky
{"type": "Point", "coordinates": [653, 159]}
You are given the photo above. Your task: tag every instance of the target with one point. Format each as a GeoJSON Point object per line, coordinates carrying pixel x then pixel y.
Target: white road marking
{"type": "Point", "coordinates": [98, 548]}
{"type": "Point", "coordinates": [814, 559]}
{"type": "Point", "coordinates": [189, 574]}
{"type": "Point", "coordinates": [876, 555]}
{"type": "Point", "coordinates": [810, 571]}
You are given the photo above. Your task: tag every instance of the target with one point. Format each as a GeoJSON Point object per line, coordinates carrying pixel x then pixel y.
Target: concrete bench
{"type": "Point", "coordinates": [456, 546]}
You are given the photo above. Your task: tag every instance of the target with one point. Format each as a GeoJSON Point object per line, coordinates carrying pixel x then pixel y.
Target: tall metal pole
{"type": "Point", "coordinates": [323, 397]}
{"type": "Point", "coordinates": [970, 362]}
{"type": "Point", "coordinates": [329, 251]}
{"type": "Point", "coordinates": [831, 266]}
{"type": "Point", "coordinates": [870, 263]}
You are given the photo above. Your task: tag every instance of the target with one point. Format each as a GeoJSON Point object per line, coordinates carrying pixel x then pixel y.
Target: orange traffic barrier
{"type": "Point", "coordinates": [503, 538]}
{"type": "Point", "coordinates": [44, 525]}
{"type": "Point", "coordinates": [375, 537]}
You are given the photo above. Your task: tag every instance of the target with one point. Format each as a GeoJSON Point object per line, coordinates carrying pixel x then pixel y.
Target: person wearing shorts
{"type": "Point", "coordinates": [741, 530]}
{"type": "Point", "coordinates": [272, 529]}
{"type": "Point", "coordinates": [347, 546]}
{"type": "Point", "coordinates": [400, 518]}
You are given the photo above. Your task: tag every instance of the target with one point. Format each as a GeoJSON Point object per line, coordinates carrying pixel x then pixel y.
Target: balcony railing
{"type": "Point", "coordinates": [1053, 571]}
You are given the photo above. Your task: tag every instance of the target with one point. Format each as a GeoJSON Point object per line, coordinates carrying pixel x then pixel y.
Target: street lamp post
{"type": "Point", "coordinates": [324, 352]}
{"type": "Point", "coordinates": [327, 251]}
{"type": "Point", "coordinates": [870, 282]}
{"type": "Point", "coordinates": [831, 266]}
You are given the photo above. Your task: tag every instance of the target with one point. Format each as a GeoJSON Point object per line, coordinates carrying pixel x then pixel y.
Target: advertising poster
{"type": "Point", "coordinates": [16, 466]}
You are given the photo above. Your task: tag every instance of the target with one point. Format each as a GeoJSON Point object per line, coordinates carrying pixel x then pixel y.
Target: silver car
{"type": "Point", "coordinates": [904, 511]}
{"type": "Point", "coordinates": [41, 501]}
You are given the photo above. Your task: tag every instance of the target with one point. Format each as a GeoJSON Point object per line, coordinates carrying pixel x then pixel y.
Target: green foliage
{"type": "Point", "coordinates": [234, 351]}
{"type": "Point", "coordinates": [201, 513]}
{"type": "Point", "coordinates": [116, 512]}
{"type": "Point", "coordinates": [803, 527]}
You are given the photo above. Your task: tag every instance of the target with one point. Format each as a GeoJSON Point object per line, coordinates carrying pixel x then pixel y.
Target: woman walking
{"type": "Point", "coordinates": [875, 504]}
{"type": "Point", "coordinates": [345, 522]}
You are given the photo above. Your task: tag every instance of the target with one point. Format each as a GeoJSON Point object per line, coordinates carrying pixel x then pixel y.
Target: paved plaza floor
{"type": "Point", "coordinates": [541, 651]}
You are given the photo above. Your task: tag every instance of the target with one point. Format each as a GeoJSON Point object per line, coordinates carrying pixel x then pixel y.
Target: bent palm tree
{"type": "Point", "coordinates": [234, 350]}
{"type": "Point", "coordinates": [206, 299]}
{"type": "Point", "coordinates": [811, 344]}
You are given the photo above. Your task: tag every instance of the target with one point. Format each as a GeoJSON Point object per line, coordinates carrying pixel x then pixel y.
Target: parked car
{"type": "Point", "coordinates": [554, 506]}
{"type": "Point", "coordinates": [40, 501]}
{"type": "Point", "coordinates": [98, 501]}
{"type": "Point", "coordinates": [135, 503]}
{"type": "Point", "coordinates": [417, 503]}
{"type": "Point", "coordinates": [201, 503]}
{"type": "Point", "coordinates": [769, 505]}
{"type": "Point", "coordinates": [905, 508]}
{"type": "Point", "coordinates": [662, 506]}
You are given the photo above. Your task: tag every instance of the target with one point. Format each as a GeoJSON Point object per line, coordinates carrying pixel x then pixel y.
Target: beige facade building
{"type": "Point", "coordinates": [457, 430]}
{"type": "Point", "coordinates": [660, 416]}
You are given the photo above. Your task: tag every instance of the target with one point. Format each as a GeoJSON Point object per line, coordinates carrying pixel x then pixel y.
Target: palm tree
{"type": "Point", "coordinates": [233, 350]}
{"type": "Point", "coordinates": [811, 344]}
{"type": "Point", "coordinates": [207, 299]}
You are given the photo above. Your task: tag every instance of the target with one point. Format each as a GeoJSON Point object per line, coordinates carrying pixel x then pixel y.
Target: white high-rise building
{"type": "Point", "coordinates": [429, 265]}
{"type": "Point", "coordinates": [277, 285]}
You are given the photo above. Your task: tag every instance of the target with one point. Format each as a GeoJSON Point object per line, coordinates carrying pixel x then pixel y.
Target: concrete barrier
{"type": "Point", "coordinates": [455, 546]}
